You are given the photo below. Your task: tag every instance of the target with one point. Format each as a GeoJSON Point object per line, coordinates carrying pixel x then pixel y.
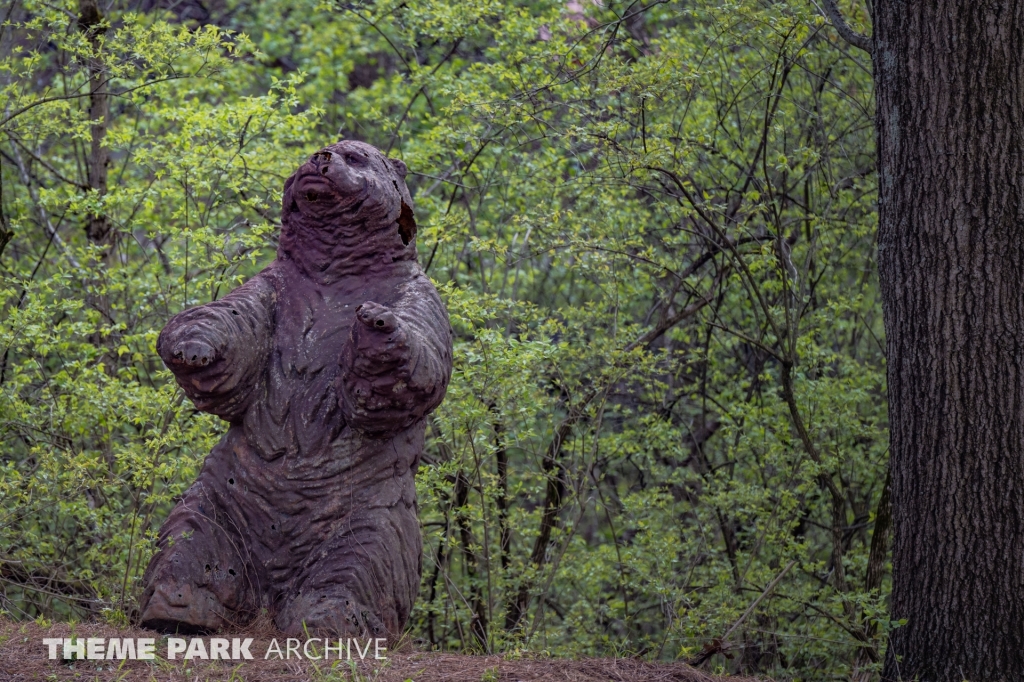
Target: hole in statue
{"type": "Point", "coordinates": [380, 323]}
{"type": "Point", "coordinates": [231, 571]}
{"type": "Point", "coordinates": [231, 481]}
{"type": "Point", "coordinates": [312, 196]}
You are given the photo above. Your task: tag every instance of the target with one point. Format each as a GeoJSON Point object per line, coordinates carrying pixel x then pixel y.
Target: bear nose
{"type": "Point", "coordinates": [334, 168]}
{"type": "Point", "coordinates": [322, 161]}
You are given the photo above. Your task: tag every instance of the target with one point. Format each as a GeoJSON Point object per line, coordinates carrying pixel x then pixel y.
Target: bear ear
{"type": "Point", "coordinates": [406, 224]}
{"type": "Point", "coordinates": [399, 167]}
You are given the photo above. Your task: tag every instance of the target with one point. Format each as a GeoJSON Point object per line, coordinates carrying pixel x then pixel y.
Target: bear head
{"type": "Point", "coordinates": [346, 210]}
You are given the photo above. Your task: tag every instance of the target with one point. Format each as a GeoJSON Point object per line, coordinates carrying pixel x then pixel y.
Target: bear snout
{"type": "Point", "coordinates": [342, 171]}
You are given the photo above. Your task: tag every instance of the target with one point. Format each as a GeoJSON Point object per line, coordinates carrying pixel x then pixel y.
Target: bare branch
{"type": "Point", "coordinates": [848, 34]}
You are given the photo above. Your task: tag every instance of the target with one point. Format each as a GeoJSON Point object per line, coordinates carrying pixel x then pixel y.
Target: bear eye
{"type": "Point", "coordinates": [354, 160]}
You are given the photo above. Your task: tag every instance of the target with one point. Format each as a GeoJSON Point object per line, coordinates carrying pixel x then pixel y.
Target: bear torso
{"type": "Point", "coordinates": [295, 412]}
{"type": "Point", "coordinates": [293, 465]}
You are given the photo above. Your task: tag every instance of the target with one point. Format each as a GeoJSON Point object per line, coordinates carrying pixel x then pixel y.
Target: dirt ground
{"type": "Point", "coordinates": [24, 656]}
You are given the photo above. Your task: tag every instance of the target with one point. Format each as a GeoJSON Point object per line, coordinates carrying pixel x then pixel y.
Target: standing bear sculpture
{"type": "Point", "coordinates": [325, 365]}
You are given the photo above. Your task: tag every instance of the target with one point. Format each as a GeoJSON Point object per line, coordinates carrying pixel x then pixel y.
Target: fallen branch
{"type": "Point", "coordinates": [721, 644]}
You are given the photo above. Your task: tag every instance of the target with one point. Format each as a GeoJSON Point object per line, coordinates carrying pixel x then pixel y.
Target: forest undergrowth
{"type": "Point", "coordinates": [652, 223]}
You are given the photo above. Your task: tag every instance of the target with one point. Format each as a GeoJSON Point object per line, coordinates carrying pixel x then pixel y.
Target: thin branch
{"type": "Point", "coordinates": [44, 218]}
{"type": "Point", "coordinates": [859, 40]}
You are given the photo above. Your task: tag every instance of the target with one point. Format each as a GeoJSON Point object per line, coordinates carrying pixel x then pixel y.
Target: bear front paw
{"type": "Point", "coordinates": [377, 317]}
{"type": "Point", "coordinates": [193, 353]}
{"type": "Point", "coordinates": [378, 341]}
{"type": "Point", "coordinates": [191, 345]}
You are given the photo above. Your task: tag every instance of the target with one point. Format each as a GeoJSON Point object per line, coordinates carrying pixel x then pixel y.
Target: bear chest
{"type": "Point", "coordinates": [312, 329]}
{"type": "Point", "coordinates": [314, 322]}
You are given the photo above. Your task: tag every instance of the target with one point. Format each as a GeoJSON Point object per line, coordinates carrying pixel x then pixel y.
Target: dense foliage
{"type": "Point", "coordinates": [653, 225]}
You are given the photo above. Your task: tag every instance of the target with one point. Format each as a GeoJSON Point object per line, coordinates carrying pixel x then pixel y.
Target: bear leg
{"type": "Point", "coordinates": [199, 580]}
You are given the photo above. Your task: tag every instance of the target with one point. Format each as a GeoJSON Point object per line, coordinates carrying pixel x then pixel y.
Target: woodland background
{"type": "Point", "coordinates": [653, 224]}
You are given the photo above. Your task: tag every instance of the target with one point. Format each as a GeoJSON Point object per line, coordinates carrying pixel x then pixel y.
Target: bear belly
{"type": "Point", "coordinates": [294, 504]}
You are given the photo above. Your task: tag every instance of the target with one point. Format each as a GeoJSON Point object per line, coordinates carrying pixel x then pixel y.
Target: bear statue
{"type": "Point", "coordinates": [325, 365]}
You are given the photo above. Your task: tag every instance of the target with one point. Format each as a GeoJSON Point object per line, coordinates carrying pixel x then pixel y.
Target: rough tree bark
{"type": "Point", "coordinates": [949, 78]}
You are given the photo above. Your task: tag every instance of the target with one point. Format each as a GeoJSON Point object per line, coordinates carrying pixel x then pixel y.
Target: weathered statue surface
{"type": "Point", "coordinates": [325, 365]}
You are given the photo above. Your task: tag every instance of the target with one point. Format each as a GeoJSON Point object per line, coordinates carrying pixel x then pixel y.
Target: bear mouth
{"type": "Point", "coordinates": [315, 188]}
{"type": "Point", "coordinates": [314, 183]}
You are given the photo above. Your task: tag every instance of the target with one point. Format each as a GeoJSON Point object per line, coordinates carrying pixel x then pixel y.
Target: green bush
{"type": "Point", "coordinates": [653, 226]}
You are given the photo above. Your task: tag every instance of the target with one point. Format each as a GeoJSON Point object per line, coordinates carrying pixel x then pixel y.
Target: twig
{"type": "Point", "coordinates": [44, 218]}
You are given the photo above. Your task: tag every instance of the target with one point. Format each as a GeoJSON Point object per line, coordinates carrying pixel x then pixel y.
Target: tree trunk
{"type": "Point", "coordinates": [950, 86]}
{"type": "Point", "coordinates": [90, 20]}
